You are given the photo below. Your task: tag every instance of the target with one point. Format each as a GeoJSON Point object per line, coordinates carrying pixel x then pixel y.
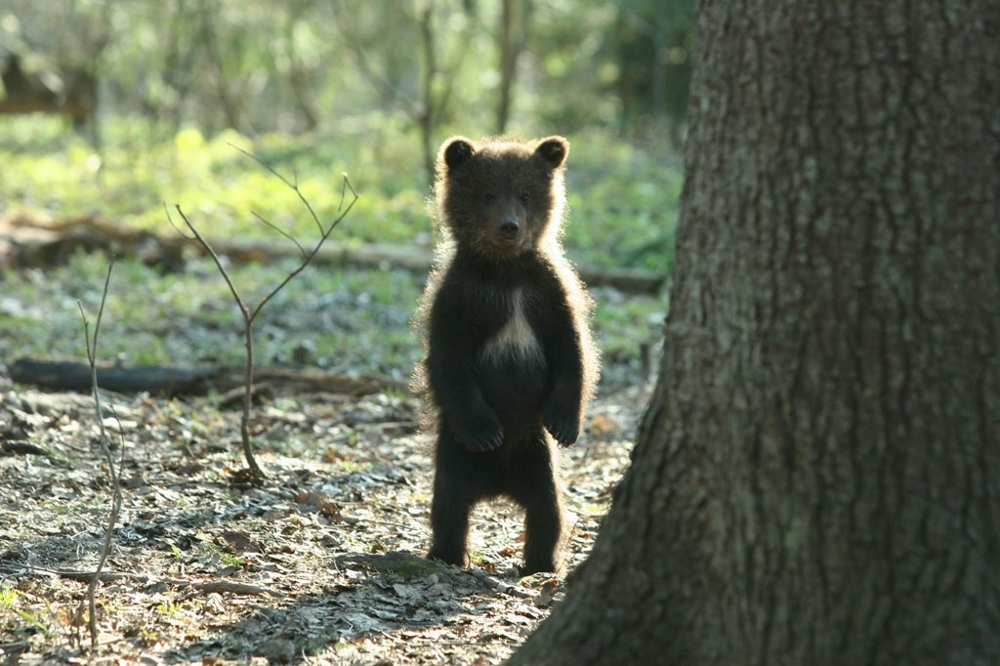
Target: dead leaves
{"type": "Point", "coordinates": [322, 563]}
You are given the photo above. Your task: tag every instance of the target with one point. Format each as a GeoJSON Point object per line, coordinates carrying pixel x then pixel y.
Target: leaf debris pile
{"type": "Point", "coordinates": [322, 565]}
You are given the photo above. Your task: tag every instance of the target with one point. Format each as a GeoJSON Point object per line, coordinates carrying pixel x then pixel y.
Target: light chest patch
{"type": "Point", "coordinates": [515, 338]}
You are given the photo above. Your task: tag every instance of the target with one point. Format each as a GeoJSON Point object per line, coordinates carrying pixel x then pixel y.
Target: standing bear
{"type": "Point", "coordinates": [509, 363]}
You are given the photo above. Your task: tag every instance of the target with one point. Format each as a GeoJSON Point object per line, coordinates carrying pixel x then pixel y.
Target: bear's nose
{"type": "Point", "coordinates": [509, 228]}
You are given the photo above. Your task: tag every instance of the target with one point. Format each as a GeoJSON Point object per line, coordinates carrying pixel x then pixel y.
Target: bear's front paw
{"type": "Point", "coordinates": [480, 432]}
{"type": "Point", "coordinates": [563, 424]}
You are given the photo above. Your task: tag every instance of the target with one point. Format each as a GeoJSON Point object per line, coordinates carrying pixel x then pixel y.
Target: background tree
{"type": "Point", "coordinates": [424, 69]}
{"type": "Point", "coordinates": [653, 43]}
{"type": "Point", "coordinates": [817, 479]}
{"type": "Point", "coordinates": [515, 19]}
{"type": "Point", "coordinates": [420, 67]}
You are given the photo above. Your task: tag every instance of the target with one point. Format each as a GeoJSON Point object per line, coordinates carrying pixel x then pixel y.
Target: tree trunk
{"type": "Point", "coordinates": [513, 28]}
{"type": "Point", "coordinates": [817, 479]}
{"type": "Point", "coordinates": [298, 72]}
{"type": "Point", "coordinates": [228, 99]}
{"type": "Point", "coordinates": [427, 116]}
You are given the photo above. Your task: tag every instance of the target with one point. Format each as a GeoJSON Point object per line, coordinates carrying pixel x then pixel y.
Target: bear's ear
{"type": "Point", "coordinates": [553, 150]}
{"type": "Point", "coordinates": [456, 150]}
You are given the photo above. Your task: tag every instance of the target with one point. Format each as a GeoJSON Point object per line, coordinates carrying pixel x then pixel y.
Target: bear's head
{"type": "Point", "coordinates": [498, 198]}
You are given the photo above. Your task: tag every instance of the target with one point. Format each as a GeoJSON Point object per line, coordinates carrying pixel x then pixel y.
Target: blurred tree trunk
{"type": "Point", "coordinates": [437, 67]}
{"type": "Point", "coordinates": [229, 100]}
{"type": "Point", "coordinates": [514, 22]}
{"type": "Point", "coordinates": [817, 479]}
{"type": "Point", "coordinates": [298, 70]}
{"type": "Point", "coordinates": [427, 114]}
{"type": "Point", "coordinates": [179, 64]}
{"type": "Point", "coordinates": [437, 84]}
{"type": "Point", "coordinates": [652, 45]}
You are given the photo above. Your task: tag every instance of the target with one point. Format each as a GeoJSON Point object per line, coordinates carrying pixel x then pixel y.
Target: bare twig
{"type": "Point", "coordinates": [115, 477]}
{"type": "Point", "coordinates": [21, 447]}
{"type": "Point", "coordinates": [206, 587]}
{"type": "Point", "coordinates": [497, 584]}
{"type": "Point", "coordinates": [255, 471]}
{"type": "Point", "coordinates": [256, 474]}
{"type": "Point", "coordinates": [281, 231]}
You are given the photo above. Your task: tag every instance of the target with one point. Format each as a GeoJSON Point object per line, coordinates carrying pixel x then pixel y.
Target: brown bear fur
{"type": "Point", "coordinates": [509, 364]}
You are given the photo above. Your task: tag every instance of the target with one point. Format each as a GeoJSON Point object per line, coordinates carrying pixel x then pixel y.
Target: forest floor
{"type": "Point", "coordinates": [321, 565]}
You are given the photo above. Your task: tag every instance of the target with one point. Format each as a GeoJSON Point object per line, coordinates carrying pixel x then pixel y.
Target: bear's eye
{"type": "Point", "coordinates": [525, 198]}
{"type": "Point", "coordinates": [488, 198]}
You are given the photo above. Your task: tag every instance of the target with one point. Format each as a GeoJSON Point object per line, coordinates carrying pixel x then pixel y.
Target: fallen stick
{"type": "Point", "coordinates": [25, 241]}
{"type": "Point", "coordinates": [66, 375]}
{"type": "Point", "coordinates": [207, 587]}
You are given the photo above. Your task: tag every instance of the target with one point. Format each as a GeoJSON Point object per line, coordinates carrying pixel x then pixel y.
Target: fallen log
{"type": "Point", "coordinates": [170, 381]}
{"type": "Point", "coordinates": [418, 259]}
{"type": "Point", "coordinates": [65, 89]}
{"type": "Point", "coordinates": [25, 241]}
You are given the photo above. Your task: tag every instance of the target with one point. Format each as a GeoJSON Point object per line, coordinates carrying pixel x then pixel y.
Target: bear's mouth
{"type": "Point", "coordinates": [507, 244]}
{"type": "Point", "coordinates": [508, 232]}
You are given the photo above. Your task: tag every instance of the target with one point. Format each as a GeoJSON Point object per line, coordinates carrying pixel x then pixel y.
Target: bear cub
{"type": "Point", "coordinates": [509, 363]}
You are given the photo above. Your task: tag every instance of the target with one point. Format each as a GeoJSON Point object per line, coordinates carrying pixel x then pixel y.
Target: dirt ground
{"type": "Point", "coordinates": [321, 566]}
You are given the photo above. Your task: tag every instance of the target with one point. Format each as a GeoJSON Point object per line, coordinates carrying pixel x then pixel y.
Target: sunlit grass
{"type": "Point", "coordinates": [356, 320]}
{"type": "Point", "coordinates": [623, 199]}
{"type": "Point", "coordinates": [623, 203]}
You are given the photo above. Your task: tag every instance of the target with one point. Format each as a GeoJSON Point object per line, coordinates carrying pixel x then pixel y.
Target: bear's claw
{"type": "Point", "coordinates": [564, 429]}
{"type": "Point", "coordinates": [484, 433]}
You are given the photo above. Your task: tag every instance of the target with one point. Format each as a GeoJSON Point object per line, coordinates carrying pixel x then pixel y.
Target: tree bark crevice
{"type": "Point", "coordinates": [817, 480]}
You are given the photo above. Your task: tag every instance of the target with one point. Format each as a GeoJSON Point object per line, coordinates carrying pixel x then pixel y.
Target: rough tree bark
{"type": "Point", "coordinates": [817, 479]}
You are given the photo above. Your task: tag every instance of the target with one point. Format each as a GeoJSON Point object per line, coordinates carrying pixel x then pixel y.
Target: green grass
{"type": "Point", "coordinates": [356, 320]}
{"type": "Point", "coordinates": [353, 320]}
{"type": "Point", "coordinates": [8, 596]}
{"type": "Point", "coordinates": [623, 205]}
{"type": "Point", "coordinates": [623, 199]}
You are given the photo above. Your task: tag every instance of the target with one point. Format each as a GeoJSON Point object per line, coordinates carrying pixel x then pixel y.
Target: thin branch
{"type": "Point", "coordinates": [215, 258]}
{"type": "Point", "coordinates": [267, 223]}
{"type": "Point", "coordinates": [180, 232]}
{"type": "Point", "coordinates": [115, 477]}
{"type": "Point", "coordinates": [255, 472]}
{"type": "Point", "coordinates": [206, 587]}
{"type": "Point", "coordinates": [294, 186]}
{"type": "Point", "coordinates": [322, 239]}
{"type": "Point", "coordinates": [343, 191]}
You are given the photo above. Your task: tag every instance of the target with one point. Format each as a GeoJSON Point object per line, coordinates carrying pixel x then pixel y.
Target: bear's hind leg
{"type": "Point", "coordinates": [450, 524]}
{"type": "Point", "coordinates": [455, 493]}
{"type": "Point", "coordinates": [543, 528]}
{"type": "Point", "coordinates": [539, 492]}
